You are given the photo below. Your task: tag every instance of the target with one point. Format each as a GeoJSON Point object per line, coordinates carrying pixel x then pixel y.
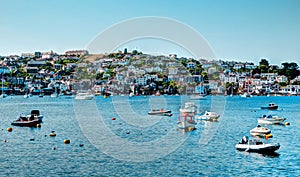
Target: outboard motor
{"type": "Point", "coordinates": [244, 139]}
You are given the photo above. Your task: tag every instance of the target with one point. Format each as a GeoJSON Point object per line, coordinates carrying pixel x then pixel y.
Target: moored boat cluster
{"type": "Point", "coordinates": [262, 133]}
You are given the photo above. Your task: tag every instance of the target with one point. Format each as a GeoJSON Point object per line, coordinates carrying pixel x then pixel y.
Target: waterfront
{"type": "Point", "coordinates": [22, 157]}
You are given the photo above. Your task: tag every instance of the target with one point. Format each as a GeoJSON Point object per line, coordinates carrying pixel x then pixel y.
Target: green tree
{"type": "Point", "coordinates": [263, 65]}
{"type": "Point", "coordinates": [290, 70]}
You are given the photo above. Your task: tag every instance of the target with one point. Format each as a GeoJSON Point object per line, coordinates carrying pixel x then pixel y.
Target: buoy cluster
{"type": "Point", "coordinates": [52, 134]}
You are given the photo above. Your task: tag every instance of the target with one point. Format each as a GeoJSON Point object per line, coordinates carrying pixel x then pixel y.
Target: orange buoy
{"type": "Point", "coordinates": [9, 129]}
{"type": "Point", "coordinates": [66, 141]}
{"type": "Point", "coordinates": [269, 136]}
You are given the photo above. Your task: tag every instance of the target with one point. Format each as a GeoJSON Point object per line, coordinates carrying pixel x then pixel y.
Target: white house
{"type": "Point", "coordinates": [238, 66]}
{"type": "Point", "coordinates": [281, 78]}
{"type": "Point", "coordinates": [249, 66]}
{"type": "Point", "coordinates": [173, 71]}
{"type": "Point", "coordinates": [191, 65]}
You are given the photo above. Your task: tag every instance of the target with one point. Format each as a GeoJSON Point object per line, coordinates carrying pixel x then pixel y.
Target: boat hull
{"type": "Point", "coordinates": [164, 113]}
{"type": "Point", "coordinates": [270, 121]}
{"type": "Point", "coordinates": [263, 148]}
{"type": "Point", "coordinates": [32, 123]}
{"type": "Point", "coordinates": [270, 107]}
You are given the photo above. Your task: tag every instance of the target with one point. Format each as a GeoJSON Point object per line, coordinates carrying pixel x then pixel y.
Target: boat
{"type": "Point", "coordinates": [131, 94]}
{"type": "Point", "coordinates": [256, 145]}
{"type": "Point", "coordinates": [270, 119]}
{"type": "Point", "coordinates": [189, 107]}
{"type": "Point", "coordinates": [207, 115]}
{"type": "Point", "coordinates": [54, 94]}
{"type": "Point", "coordinates": [260, 131]}
{"type": "Point", "coordinates": [186, 122]}
{"type": "Point", "coordinates": [198, 97]}
{"type": "Point", "coordinates": [31, 120]}
{"type": "Point", "coordinates": [3, 95]}
{"type": "Point", "coordinates": [270, 106]}
{"type": "Point", "coordinates": [246, 95]}
{"type": "Point", "coordinates": [35, 113]}
{"type": "Point", "coordinates": [199, 93]}
{"type": "Point", "coordinates": [160, 112]}
{"type": "Point", "coordinates": [84, 96]}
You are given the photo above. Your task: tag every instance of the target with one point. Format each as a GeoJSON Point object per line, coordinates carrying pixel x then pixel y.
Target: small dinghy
{"type": "Point", "coordinates": [270, 119]}
{"type": "Point", "coordinates": [160, 112]}
{"type": "Point", "coordinates": [260, 131]}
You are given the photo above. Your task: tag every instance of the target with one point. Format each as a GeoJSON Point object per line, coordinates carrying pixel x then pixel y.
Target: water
{"type": "Point", "coordinates": [207, 151]}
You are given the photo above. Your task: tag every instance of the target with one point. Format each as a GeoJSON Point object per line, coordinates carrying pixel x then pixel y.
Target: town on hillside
{"type": "Point", "coordinates": [126, 72]}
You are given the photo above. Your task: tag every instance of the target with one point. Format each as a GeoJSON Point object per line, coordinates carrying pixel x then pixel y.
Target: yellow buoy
{"type": "Point", "coordinates": [52, 133]}
{"type": "Point", "coordinates": [66, 141]}
{"type": "Point", "coordinates": [38, 125]}
{"type": "Point", "coordinates": [287, 123]}
{"type": "Point", "coordinates": [9, 129]}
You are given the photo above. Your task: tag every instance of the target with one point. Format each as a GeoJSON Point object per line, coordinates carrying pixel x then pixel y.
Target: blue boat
{"type": "Point", "coordinates": [270, 106]}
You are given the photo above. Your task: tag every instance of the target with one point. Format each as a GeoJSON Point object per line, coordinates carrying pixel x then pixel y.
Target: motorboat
{"type": "Point", "coordinates": [270, 106]}
{"type": "Point", "coordinates": [27, 95]}
{"type": "Point", "coordinates": [84, 96]}
{"type": "Point", "coordinates": [186, 122]}
{"type": "Point", "coordinates": [246, 95]}
{"type": "Point", "coordinates": [270, 119]}
{"type": "Point", "coordinates": [256, 145]}
{"type": "Point", "coordinates": [160, 112]}
{"type": "Point", "coordinates": [207, 115]}
{"type": "Point", "coordinates": [28, 121]}
{"type": "Point", "coordinates": [260, 131]}
{"type": "Point", "coordinates": [4, 95]}
{"type": "Point", "coordinates": [54, 95]}
{"type": "Point", "coordinates": [131, 94]}
{"type": "Point", "coordinates": [189, 108]}
{"type": "Point", "coordinates": [34, 114]}
{"type": "Point", "coordinates": [198, 97]}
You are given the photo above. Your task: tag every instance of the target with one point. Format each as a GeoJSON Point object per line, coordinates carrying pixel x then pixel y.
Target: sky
{"type": "Point", "coordinates": [236, 30]}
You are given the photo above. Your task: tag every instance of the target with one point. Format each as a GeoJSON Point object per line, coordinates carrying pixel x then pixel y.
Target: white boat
{"type": "Point", "coordinates": [54, 95]}
{"type": "Point", "coordinates": [160, 112]}
{"type": "Point", "coordinates": [84, 96]}
{"type": "Point", "coordinates": [3, 95]}
{"type": "Point", "coordinates": [246, 95]}
{"type": "Point", "coordinates": [34, 114]}
{"type": "Point", "coordinates": [270, 119]}
{"type": "Point", "coordinates": [189, 108]}
{"type": "Point", "coordinates": [27, 95]}
{"type": "Point", "coordinates": [198, 97]}
{"type": "Point", "coordinates": [186, 122]}
{"type": "Point", "coordinates": [207, 115]}
{"type": "Point", "coordinates": [260, 131]}
{"type": "Point", "coordinates": [256, 145]}
{"type": "Point", "coordinates": [131, 94]}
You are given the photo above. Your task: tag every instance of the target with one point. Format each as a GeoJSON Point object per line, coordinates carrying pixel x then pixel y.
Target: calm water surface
{"type": "Point", "coordinates": [21, 157]}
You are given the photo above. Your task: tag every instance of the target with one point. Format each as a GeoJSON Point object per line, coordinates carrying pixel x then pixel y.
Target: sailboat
{"type": "Point", "coordinates": [246, 94]}
{"type": "Point", "coordinates": [3, 95]}
{"type": "Point", "coordinates": [55, 94]}
{"type": "Point", "coordinates": [200, 93]}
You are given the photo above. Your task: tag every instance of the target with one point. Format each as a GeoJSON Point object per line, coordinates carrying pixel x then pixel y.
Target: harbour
{"type": "Point", "coordinates": [209, 150]}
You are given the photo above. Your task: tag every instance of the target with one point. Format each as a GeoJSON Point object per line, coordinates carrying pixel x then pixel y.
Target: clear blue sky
{"type": "Point", "coordinates": [236, 29]}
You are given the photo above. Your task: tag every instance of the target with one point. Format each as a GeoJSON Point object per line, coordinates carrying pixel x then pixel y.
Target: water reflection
{"type": "Point", "coordinates": [259, 155]}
